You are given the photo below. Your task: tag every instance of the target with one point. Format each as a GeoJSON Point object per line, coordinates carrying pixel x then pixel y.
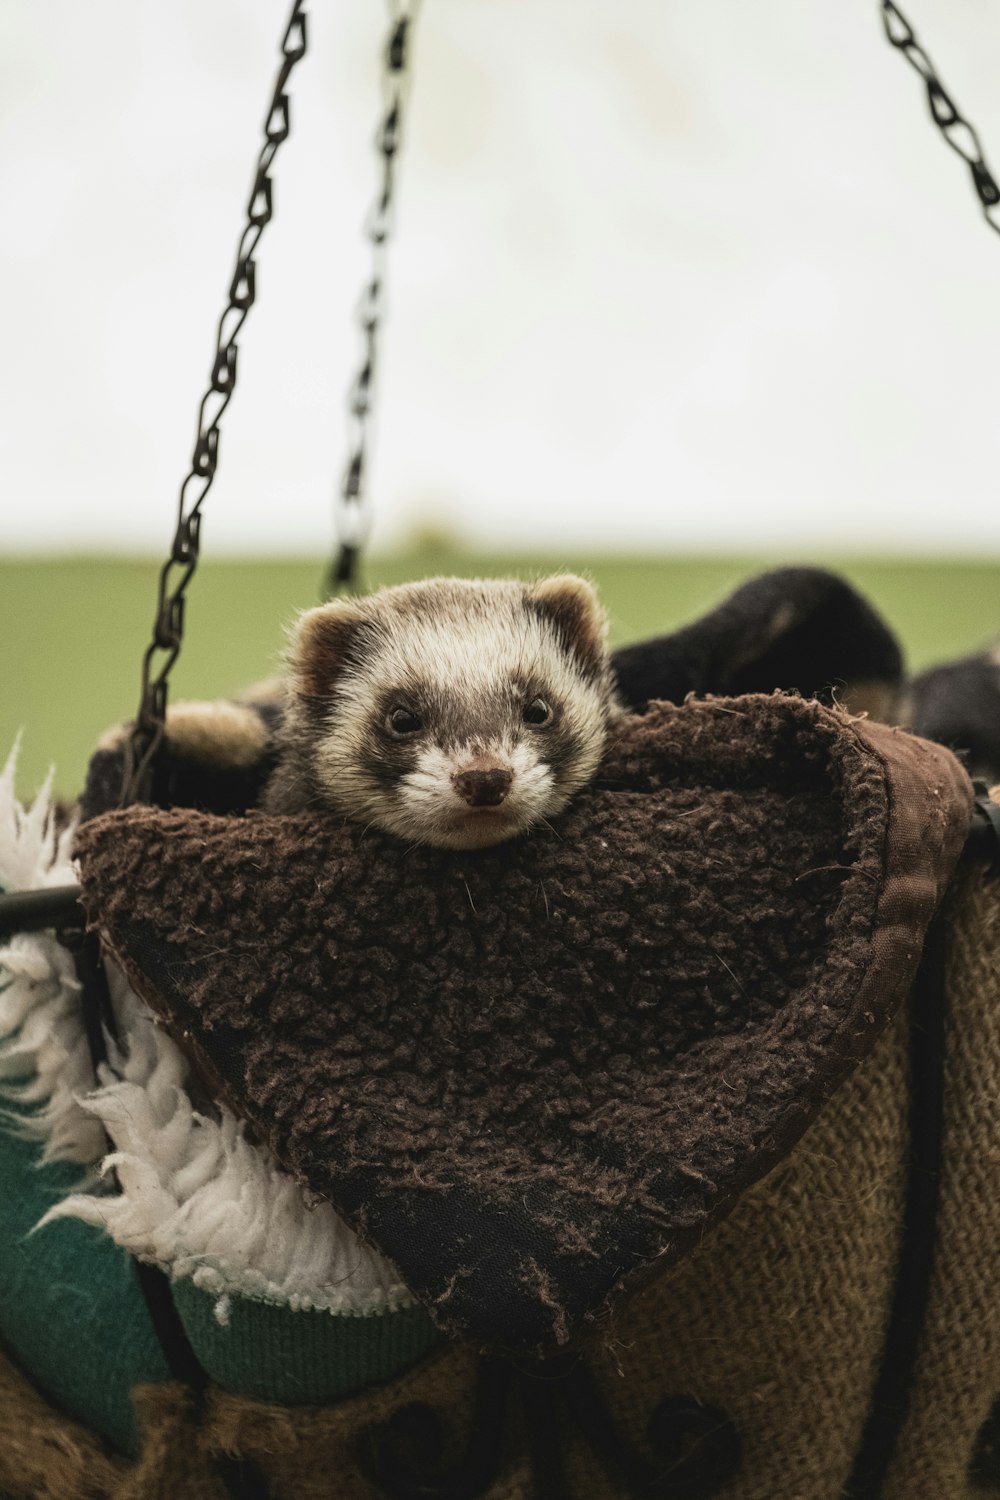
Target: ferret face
{"type": "Point", "coordinates": [453, 712]}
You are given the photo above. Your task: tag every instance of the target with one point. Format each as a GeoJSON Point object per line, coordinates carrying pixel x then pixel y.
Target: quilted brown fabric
{"type": "Point", "coordinates": [533, 1073]}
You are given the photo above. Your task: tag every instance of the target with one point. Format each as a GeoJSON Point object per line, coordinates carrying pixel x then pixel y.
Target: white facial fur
{"type": "Point", "coordinates": [466, 658]}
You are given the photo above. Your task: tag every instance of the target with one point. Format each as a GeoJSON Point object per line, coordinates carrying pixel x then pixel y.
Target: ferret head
{"type": "Point", "coordinates": [453, 712]}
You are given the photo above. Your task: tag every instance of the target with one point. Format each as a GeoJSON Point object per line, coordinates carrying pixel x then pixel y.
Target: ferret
{"type": "Point", "coordinates": [452, 712]}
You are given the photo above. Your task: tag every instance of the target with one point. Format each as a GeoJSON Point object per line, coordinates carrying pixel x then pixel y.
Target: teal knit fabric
{"type": "Point", "coordinates": [300, 1358]}
{"type": "Point", "coordinates": [73, 1317]}
{"type": "Point", "coordinates": [71, 1312]}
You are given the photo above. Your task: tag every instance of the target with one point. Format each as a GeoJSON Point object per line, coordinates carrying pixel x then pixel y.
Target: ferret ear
{"type": "Point", "coordinates": [572, 606]}
{"type": "Point", "coordinates": [321, 643]}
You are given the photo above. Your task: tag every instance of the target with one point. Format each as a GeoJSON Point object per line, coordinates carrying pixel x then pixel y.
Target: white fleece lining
{"type": "Point", "coordinates": [196, 1197]}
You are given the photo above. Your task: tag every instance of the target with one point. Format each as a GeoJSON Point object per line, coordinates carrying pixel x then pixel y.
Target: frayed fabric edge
{"type": "Point", "coordinates": [196, 1197]}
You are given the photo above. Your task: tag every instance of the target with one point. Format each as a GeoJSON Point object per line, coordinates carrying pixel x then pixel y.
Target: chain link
{"type": "Point", "coordinates": [352, 513]}
{"type": "Point", "coordinates": [168, 626]}
{"type": "Point", "coordinates": [960, 135]}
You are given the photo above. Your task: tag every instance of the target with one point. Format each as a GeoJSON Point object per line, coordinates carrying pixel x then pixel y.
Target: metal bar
{"type": "Point", "coordinates": [31, 911]}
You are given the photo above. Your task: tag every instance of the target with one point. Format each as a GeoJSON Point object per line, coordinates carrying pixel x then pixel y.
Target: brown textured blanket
{"type": "Point", "coordinates": [531, 1074]}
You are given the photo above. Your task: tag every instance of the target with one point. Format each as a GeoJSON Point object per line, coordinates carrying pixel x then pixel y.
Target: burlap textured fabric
{"type": "Point", "coordinates": [958, 1373]}
{"type": "Point", "coordinates": [778, 1317]}
{"type": "Point", "coordinates": [46, 1456]}
{"type": "Point", "coordinates": [533, 1078]}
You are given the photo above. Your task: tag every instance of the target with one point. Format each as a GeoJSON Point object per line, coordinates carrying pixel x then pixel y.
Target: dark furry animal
{"type": "Point", "coordinates": [958, 704]}
{"type": "Point", "coordinates": [798, 630]}
{"type": "Point", "coordinates": [455, 712]}
{"type": "Point", "coordinates": [801, 630]}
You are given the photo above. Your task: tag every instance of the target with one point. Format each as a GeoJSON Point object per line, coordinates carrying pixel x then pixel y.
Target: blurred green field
{"type": "Point", "coordinates": [74, 630]}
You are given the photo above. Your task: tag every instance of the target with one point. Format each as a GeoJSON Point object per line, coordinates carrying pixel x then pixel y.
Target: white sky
{"type": "Point", "coordinates": [687, 275]}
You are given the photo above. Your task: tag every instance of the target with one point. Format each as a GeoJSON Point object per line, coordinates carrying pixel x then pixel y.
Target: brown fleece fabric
{"type": "Point", "coordinates": [531, 1073]}
{"type": "Point", "coordinates": [777, 1318]}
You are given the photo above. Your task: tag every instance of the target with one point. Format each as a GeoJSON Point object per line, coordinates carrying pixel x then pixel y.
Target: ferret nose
{"type": "Point", "coordinates": [483, 788]}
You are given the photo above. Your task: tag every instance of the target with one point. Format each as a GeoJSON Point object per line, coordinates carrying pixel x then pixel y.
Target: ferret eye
{"type": "Point", "coordinates": [403, 721]}
{"type": "Point", "coordinates": [537, 712]}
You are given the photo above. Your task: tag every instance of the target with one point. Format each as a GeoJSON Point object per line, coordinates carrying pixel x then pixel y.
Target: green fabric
{"type": "Point", "coordinates": [74, 1318]}
{"type": "Point", "coordinates": [300, 1358]}
{"type": "Point", "coordinates": [71, 1311]}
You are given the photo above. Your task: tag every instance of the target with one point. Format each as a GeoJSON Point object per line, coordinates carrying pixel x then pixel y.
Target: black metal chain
{"type": "Point", "coordinates": [352, 510]}
{"type": "Point", "coordinates": [960, 135]}
{"type": "Point", "coordinates": [352, 516]}
{"type": "Point", "coordinates": [176, 573]}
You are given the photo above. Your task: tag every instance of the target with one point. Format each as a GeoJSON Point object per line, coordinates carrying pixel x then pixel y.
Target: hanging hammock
{"type": "Point", "coordinates": [540, 1077]}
